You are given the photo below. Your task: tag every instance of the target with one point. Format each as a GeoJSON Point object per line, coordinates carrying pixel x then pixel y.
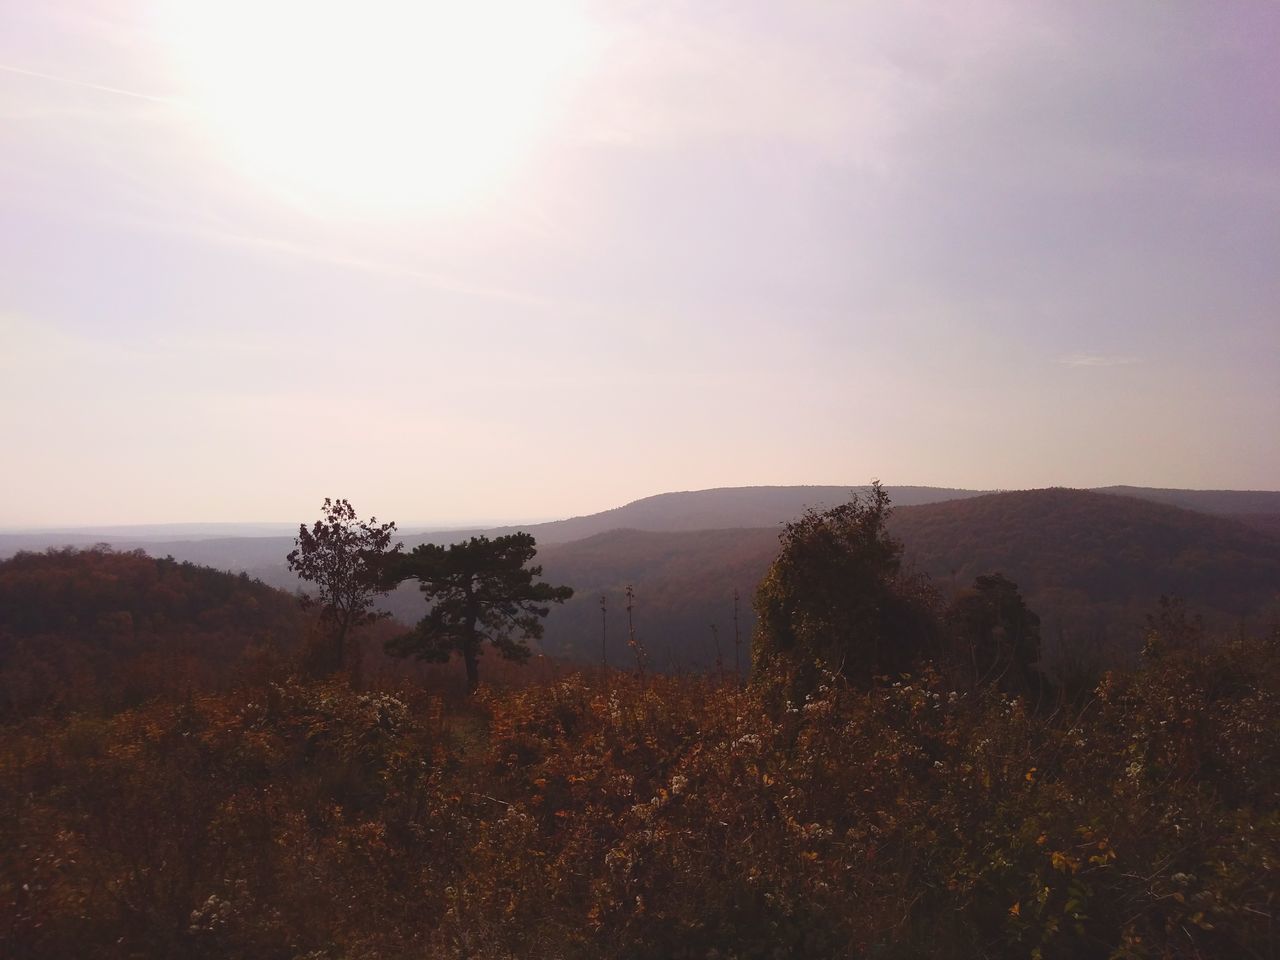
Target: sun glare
{"type": "Point", "coordinates": [380, 106]}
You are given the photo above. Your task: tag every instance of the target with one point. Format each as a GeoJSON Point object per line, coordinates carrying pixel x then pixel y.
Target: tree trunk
{"type": "Point", "coordinates": [471, 646]}
{"type": "Point", "coordinates": [340, 647]}
{"type": "Point", "coordinates": [473, 667]}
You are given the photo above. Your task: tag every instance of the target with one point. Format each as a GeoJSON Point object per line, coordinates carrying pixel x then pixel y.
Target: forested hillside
{"type": "Point", "coordinates": [97, 628]}
{"type": "Point", "coordinates": [210, 802]}
{"type": "Point", "coordinates": [1227, 503]}
{"type": "Point", "coordinates": [689, 511]}
{"type": "Point", "coordinates": [1093, 566]}
{"type": "Point", "coordinates": [262, 556]}
{"type": "Point", "coordinates": [684, 585]}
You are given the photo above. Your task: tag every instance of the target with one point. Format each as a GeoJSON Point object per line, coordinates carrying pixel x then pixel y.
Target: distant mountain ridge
{"type": "Point", "coordinates": [1092, 564]}
{"type": "Point", "coordinates": [653, 543]}
{"type": "Point", "coordinates": [1220, 502]}
{"type": "Point", "coordinates": [719, 508]}
{"type": "Point", "coordinates": [1075, 544]}
{"type": "Point", "coordinates": [253, 546]}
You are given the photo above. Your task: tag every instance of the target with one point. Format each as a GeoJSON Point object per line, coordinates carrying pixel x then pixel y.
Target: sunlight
{"type": "Point", "coordinates": [376, 108]}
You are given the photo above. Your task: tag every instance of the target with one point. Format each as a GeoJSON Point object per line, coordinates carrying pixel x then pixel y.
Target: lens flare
{"type": "Point", "coordinates": [377, 107]}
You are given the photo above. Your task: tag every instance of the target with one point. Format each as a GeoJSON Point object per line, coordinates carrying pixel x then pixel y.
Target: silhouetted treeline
{"type": "Point", "coordinates": [1091, 565]}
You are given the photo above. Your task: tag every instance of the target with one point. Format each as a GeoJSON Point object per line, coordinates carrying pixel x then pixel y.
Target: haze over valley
{"type": "Point", "coordinates": [1093, 564]}
{"type": "Point", "coordinates": [417, 420]}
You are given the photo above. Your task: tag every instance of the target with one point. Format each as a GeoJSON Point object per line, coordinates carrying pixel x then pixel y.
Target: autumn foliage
{"type": "Point", "coordinates": [595, 815]}
{"type": "Point", "coordinates": [97, 629]}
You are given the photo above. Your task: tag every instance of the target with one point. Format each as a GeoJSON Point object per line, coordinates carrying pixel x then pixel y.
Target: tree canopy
{"type": "Point", "coordinates": [479, 590]}
{"type": "Point", "coordinates": [836, 597]}
{"type": "Point", "coordinates": [345, 558]}
{"type": "Point", "coordinates": [995, 637]}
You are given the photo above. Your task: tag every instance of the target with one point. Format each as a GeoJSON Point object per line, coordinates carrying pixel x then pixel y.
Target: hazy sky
{"type": "Point", "coordinates": [482, 262]}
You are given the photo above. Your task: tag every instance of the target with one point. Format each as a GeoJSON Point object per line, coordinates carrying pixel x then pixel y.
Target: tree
{"type": "Point", "coordinates": [345, 558]}
{"type": "Point", "coordinates": [836, 598]}
{"type": "Point", "coordinates": [1172, 627]}
{"type": "Point", "coordinates": [478, 591]}
{"type": "Point", "coordinates": [996, 638]}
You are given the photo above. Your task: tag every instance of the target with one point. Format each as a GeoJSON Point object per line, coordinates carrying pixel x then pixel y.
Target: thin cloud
{"type": "Point", "coordinates": [87, 85]}
{"type": "Point", "coordinates": [1096, 360]}
{"type": "Point", "coordinates": [435, 280]}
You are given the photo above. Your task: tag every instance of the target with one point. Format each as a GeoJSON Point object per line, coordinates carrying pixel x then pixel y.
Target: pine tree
{"type": "Point", "coordinates": [479, 591]}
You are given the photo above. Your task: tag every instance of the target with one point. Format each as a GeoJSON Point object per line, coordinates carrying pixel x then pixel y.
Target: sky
{"type": "Point", "coordinates": [510, 261]}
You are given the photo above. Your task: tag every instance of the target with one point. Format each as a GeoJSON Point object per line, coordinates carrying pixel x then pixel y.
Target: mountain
{"type": "Point", "coordinates": [250, 548]}
{"type": "Point", "coordinates": [1257, 509]}
{"type": "Point", "coordinates": [684, 583]}
{"type": "Point", "coordinates": [1091, 564]}
{"type": "Point", "coordinates": [721, 508]}
{"type": "Point", "coordinates": [82, 628]}
{"type": "Point", "coordinates": [263, 556]}
{"type": "Point", "coordinates": [1268, 523]}
{"type": "Point", "coordinates": [1230, 503]}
